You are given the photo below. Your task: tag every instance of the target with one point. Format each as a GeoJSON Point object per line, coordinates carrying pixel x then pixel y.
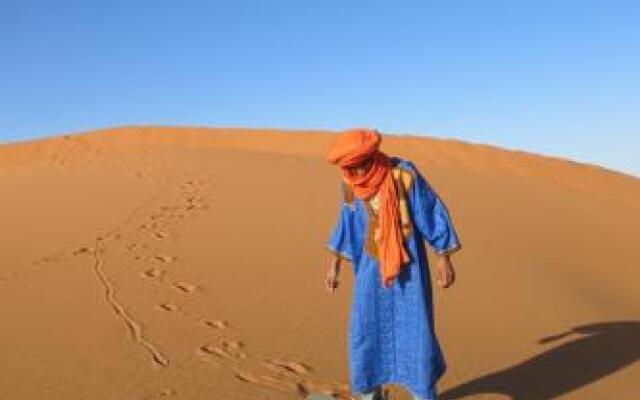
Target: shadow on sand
{"type": "Point", "coordinates": [600, 350]}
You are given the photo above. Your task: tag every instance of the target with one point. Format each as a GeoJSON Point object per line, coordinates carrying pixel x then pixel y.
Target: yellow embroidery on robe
{"type": "Point", "coordinates": [403, 180]}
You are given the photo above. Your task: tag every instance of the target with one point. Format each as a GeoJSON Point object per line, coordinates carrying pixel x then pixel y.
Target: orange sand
{"type": "Point", "coordinates": [139, 264]}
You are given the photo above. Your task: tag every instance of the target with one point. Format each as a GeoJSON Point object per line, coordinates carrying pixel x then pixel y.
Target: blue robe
{"type": "Point", "coordinates": [391, 332]}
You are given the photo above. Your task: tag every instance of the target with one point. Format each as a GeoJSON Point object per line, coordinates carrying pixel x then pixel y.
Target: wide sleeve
{"type": "Point", "coordinates": [431, 216]}
{"type": "Point", "coordinates": [340, 239]}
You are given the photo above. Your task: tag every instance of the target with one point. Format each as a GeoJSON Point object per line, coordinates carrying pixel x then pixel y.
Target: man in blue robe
{"type": "Point", "coordinates": [391, 335]}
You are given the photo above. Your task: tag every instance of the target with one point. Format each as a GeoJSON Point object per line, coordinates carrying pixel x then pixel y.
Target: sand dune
{"type": "Point", "coordinates": [187, 263]}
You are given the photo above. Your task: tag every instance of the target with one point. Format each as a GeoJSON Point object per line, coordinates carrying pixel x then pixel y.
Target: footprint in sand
{"type": "Point", "coordinates": [82, 250]}
{"type": "Point", "coordinates": [135, 246]}
{"type": "Point", "coordinates": [160, 235]}
{"type": "Point", "coordinates": [335, 389]}
{"type": "Point", "coordinates": [209, 349]}
{"type": "Point", "coordinates": [233, 347]}
{"type": "Point", "coordinates": [153, 273]}
{"type": "Point", "coordinates": [287, 367]}
{"type": "Point", "coordinates": [226, 349]}
{"type": "Point", "coordinates": [339, 391]}
{"type": "Point", "coordinates": [185, 287]}
{"type": "Point", "coordinates": [271, 382]}
{"type": "Point", "coordinates": [165, 258]}
{"type": "Point", "coordinates": [151, 225]}
{"type": "Point", "coordinates": [218, 323]}
{"type": "Point", "coordinates": [167, 307]}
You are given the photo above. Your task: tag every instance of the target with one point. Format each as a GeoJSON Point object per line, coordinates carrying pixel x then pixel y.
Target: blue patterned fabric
{"type": "Point", "coordinates": [391, 332]}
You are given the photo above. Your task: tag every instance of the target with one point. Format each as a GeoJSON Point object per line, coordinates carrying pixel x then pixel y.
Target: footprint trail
{"type": "Point", "coordinates": [134, 328]}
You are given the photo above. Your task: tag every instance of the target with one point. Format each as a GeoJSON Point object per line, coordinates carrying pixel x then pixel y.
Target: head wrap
{"type": "Point", "coordinates": [352, 148]}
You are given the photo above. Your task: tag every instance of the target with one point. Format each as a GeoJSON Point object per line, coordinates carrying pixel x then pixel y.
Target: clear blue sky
{"type": "Point", "coordinates": [554, 77]}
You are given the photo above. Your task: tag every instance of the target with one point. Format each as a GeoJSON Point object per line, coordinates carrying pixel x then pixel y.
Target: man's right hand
{"type": "Point", "coordinates": [331, 280]}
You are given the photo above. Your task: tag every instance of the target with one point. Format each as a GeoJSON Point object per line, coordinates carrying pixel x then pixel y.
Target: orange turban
{"type": "Point", "coordinates": [354, 146]}
{"type": "Point", "coordinates": [350, 149]}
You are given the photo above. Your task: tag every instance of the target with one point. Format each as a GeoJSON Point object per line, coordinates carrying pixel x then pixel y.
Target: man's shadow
{"type": "Point", "coordinates": [598, 350]}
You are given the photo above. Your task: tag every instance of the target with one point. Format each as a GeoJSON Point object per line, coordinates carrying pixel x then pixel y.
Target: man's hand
{"type": "Point", "coordinates": [331, 280]}
{"type": "Point", "coordinates": [445, 274]}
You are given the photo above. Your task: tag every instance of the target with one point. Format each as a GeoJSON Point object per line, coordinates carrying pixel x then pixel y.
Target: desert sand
{"type": "Point", "coordinates": [187, 263]}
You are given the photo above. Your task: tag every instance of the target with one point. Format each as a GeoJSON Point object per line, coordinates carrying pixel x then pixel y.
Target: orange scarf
{"type": "Point", "coordinates": [351, 149]}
